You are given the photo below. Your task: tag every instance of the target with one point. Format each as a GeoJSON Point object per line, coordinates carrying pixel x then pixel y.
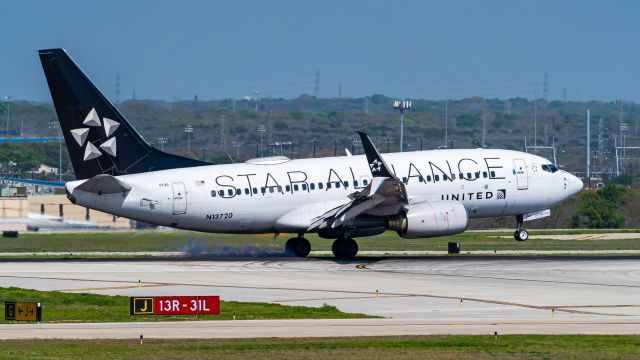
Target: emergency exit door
{"type": "Point", "coordinates": [521, 174]}
{"type": "Point", "coordinates": [179, 198]}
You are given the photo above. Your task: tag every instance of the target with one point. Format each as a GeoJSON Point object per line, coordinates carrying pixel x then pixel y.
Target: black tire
{"type": "Point", "coordinates": [302, 247]}
{"type": "Point", "coordinates": [290, 247]}
{"type": "Point", "coordinates": [345, 248]}
{"type": "Point", "coordinates": [515, 235]}
{"type": "Point", "coordinates": [523, 235]}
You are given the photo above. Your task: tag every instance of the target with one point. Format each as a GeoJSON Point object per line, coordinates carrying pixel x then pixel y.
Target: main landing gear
{"type": "Point", "coordinates": [345, 248]}
{"type": "Point", "coordinates": [520, 234]}
{"type": "Point", "coordinates": [298, 246]}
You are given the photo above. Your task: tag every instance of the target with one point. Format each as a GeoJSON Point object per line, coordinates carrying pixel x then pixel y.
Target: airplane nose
{"type": "Point", "coordinates": [575, 184]}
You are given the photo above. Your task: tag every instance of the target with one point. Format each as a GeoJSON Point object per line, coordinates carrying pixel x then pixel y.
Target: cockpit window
{"type": "Point", "coordinates": [549, 168]}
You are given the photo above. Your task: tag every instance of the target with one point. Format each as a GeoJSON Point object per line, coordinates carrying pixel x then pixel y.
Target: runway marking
{"type": "Point", "coordinates": [362, 267]}
{"type": "Point", "coordinates": [372, 296]}
{"type": "Point", "coordinates": [141, 285]}
{"type": "Point", "coordinates": [591, 237]}
{"type": "Point", "coordinates": [457, 298]}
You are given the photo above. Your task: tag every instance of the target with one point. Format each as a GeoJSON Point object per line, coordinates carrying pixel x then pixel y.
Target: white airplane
{"type": "Point", "coordinates": [418, 194]}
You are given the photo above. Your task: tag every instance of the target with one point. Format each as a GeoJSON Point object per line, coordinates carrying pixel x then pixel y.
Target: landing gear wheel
{"type": "Point", "coordinates": [346, 248]}
{"type": "Point", "coordinates": [521, 235]}
{"type": "Point", "coordinates": [299, 247]}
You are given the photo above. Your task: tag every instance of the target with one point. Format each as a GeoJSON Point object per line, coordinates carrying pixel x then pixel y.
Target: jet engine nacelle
{"type": "Point", "coordinates": [427, 219]}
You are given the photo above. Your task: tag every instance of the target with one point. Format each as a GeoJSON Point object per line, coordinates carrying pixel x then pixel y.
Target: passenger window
{"type": "Point", "coordinates": [230, 192]}
{"type": "Point", "coordinates": [477, 175]}
{"type": "Point", "coordinates": [484, 174]}
{"type": "Point", "coordinates": [405, 180]}
{"type": "Point", "coordinates": [346, 184]}
{"type": "Point", "coordinates": [255, 190]}
{"type": "Point", "coordinates": [295, 187]}
{"type": "Point", "coordinates": [436, 177]}
{"type": "Point", "coordinates": [287, 188]}
{"type": "Point", "coordinates": [445, 177]}
{"type": "Point", "coordinates": [221, 192]}
{"type": "Point", "coordinates": [312, 186]}
{"type": "Point", "coordinates": [468, 176]}
{"type": "Point", "coordinates": [493, 174]}
{"type": "Point", "coordinates": [328, 185]}
{"type": "Point", "coordinates": [263, 190]}
{"type": "Point", "coordinates": [365, 182]}
{"type": "Point", "coordinates": [355, 183]}
{"type": "Point", "coordinates": [280, 189]}
{"type": "Point", "coordinates": [213, 193]}
{"type": "Point", "coordinates": [337, 184]}
{"type": "Point", "coordinates": [271, 189]}
{"type": "Point", "coordinates": [246, 191]}
{"type": "Point", "coordinates": [320, 185]}
{"type": "Point", "coordinates": [420, 178]}
{"type": "Point", "coordinates": [428, 178]}
{"type": "Point", "coordinates": [304, 186]}
{"type": "Point", "coordinates": [453, 176]}
{"type": "Point", "coordinates": [238, 191]}
{"type": "Point", "coordinates": [461, 176]}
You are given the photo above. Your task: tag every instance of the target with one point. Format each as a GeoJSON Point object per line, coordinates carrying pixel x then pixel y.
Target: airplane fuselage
{"type": "Point", "coordinates": [285, 195]}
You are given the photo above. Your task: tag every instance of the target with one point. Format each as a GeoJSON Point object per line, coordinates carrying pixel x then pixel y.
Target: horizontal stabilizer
{"type": "Point", "coordinates": [104, 184]}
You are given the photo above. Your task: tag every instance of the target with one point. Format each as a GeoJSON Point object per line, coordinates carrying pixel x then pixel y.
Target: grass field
{"type": "Point", "coordinates": [583, 347]}
{"type": "Point", "coordinates": [71, 307]}
{"type": "Point", "coordinates": [244, 245]}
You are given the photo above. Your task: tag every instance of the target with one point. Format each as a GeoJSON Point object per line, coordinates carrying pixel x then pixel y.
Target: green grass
{"type": "Point", "coordinates": [71, 307]}
{"type": "Point", "coordinates": [246, 244]}
{"type": "Point", "coordinates": [584, 347]}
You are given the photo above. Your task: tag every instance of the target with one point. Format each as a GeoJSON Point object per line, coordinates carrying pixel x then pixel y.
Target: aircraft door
{"type": "Point", "coordinates": [179, 198]}
{"type": "Point", "coordinates": [521, 174]}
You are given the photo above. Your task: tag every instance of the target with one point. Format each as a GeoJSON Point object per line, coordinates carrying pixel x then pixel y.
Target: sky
{"type": "Point", "coordinates": [414, 49]}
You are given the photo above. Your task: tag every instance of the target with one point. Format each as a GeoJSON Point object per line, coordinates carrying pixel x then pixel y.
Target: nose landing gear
{"type": "Point", "coordinates": [298, 246]}
{"type": "Point", "coordinates": [520, 234]}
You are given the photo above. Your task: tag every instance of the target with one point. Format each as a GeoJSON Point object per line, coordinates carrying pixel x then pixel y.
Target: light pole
{"type": "Point", "coordinates": [188, 130]}
{"type": "Point", "coordinates": [402, 106]}
{"type": "Point", "coordinates": [261, 129]}
{"type": "Point", "coordinates": [162, 140]}
{"type": "Point", "coordinates": [54, 124]}
{"type": "Point", "coordinates": [314, 141]}
{"type": "Point", "coordinates": [204, 153]}
{"type": "Point", "coordinates": [238, 145]}
{"type": "Point", "coordinates": [6, 100]}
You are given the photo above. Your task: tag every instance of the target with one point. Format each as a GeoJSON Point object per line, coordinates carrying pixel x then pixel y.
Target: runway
{"type": "Point", "coordinates": [443, 295]}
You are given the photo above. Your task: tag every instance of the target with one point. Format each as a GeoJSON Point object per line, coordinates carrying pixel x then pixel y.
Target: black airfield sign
{"type": "Point", "coordinates": [22, 311]}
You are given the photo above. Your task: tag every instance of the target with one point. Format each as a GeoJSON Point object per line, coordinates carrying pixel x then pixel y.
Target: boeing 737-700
{"type": "Point", "coordinates": [418, 194]}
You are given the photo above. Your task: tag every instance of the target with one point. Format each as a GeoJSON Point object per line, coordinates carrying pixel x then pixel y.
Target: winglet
{"type": "Point", "coordinates": [376, 164]}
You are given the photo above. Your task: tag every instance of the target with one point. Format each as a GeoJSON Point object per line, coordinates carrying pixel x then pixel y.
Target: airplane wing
{"type": "Point", "coordinates": [35, 182]}
{"type": "Point", "coordinates": [384, 196]}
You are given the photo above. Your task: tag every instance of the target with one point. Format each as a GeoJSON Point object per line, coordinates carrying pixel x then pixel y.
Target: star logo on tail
{"type": "Point", "coordinates": [375, 166]}
{"type": "Point", "coordinates": [91, 151]}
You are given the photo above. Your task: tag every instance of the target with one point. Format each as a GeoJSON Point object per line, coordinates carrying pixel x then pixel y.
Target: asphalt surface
{"type": "Point", "coordinates": [424, 295]}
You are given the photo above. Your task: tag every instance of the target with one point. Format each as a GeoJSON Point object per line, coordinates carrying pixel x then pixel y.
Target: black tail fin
{"type": "Point", "coordinates": [98, 137]}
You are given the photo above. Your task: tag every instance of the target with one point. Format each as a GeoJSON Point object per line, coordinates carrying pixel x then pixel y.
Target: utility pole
{"type": "Point", "coordinates": [314, 141]}
{"type": "Point", "coordinates": [162, 140]}
{"type": "Point", "coordinates": [484, 120]}
{"type": "Point", "coordinates": [446, 122]}
{"type": "Point", "coordinates": [261, 129]}
{"type": "Point", "coordinates": [6, 99]}
{"type": "Point", "coordinates": [204, 152]}
{"type": "Point", "coordinates": [535, 122]}
{"type": "Point", "coordinates": [54, 124]}
{"type": "Point", "coordinates": [188, 130]}
{"type": "Point", "coordinates": [402, 106]}
{"type": "Point", "coordinates": [588, 148]}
